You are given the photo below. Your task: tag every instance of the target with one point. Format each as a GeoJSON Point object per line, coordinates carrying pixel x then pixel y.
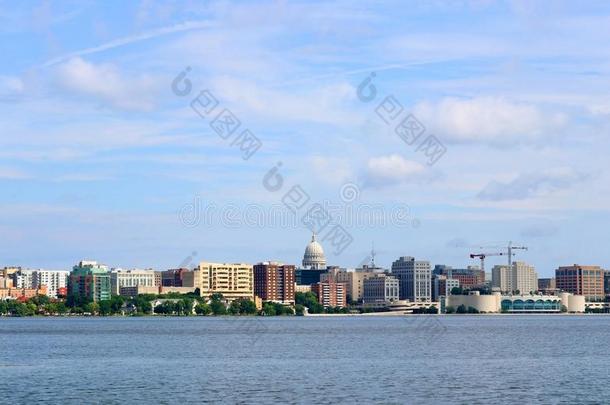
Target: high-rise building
{"type": "Point", "coordinates": [90, 280]}
{"type": "Point", "coordinates": [330, 294]}
{"type": "Point", "coordinates": [520, 277]}
{"type": "Point", "coordinates": [581, 280]}
{"type": "Point", "coordinates": [380, 288]}
{"type": "Point", "coordinates": [274, 282]}
{"type": "Point", "coordinates": [131, 278]}
{"type": "Point", "coordinates": [54, 280]}
{"type": "Point", "coordinates": [232, 280]}
{"type": "Point", "coordinates": [414, 277]}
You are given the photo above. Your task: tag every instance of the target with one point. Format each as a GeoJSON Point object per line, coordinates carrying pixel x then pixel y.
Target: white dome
{"type": "Point", "coordinates": [314, 255]}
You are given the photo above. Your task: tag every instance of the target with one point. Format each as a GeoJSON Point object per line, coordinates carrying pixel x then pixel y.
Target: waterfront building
{"type": "Point", "coordinates": [607, 282]}
{"type": "Point", "coordinates": [519, 277]}
{"type": "Point", "coordinates": [380, 288]}
{"type": "Point", "coordinates": [232, 280]}
{"type": "Point", "coordinates": [314, 258]}
{"type": "Point", "coordinates": [581, 280]}
{"type": "Point", "coordinates": [90, 280]}
{"type": "Point", "coordinates": [274, 282]}
{"type": "Point", "coordinates": [131, 278]}
{"type": "Point", "coordinates": [21, 293]}
{"type": "Point", "coordinates": [54, 280]}
{"type": "Point", "coordinates": [525, 303]}
{"type": "Point", "coordinates": [330, 294]}
{"type": "Point", "coordinates": [442, 285]}
{"type": "Point", "coordinates": [414, 277]}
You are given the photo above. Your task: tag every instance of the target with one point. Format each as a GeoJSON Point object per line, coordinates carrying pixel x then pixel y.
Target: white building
{"type": "Point", "coordinates": [52, 279]}
{"type": "Point", "coordinates": [520, 277]}
{"type": "Point", "coordinates": [414, 277]}
{"type": "Point", "coordinates": [131, 278]}
{"type": "Point", "coordinates": [314, 258]}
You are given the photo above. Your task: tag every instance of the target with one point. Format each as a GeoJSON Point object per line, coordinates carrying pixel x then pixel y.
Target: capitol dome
{"type": "Point", "coordinates": [314, 255]}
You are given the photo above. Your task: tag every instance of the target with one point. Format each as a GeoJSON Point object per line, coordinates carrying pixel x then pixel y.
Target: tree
{"type": "Point", "coordinates": [456, 291]}
{"type": "Point", "coordinates": [247, 307]}
{"type": "Point", "coordinates": [203, 309]}
{"type": "Point", "coordinates": [268, 309]}
{"type": "Point", "coordinates": [449, 310]}
{"type": "Point", "coordinates": [218, 308]}
{"type": "Point", "coordinates": [461, 309]}
{"type": "Point", "coordinates": [299, 310]}
{"type": "Point", "coordinates": [105, 307]}
{"type": "Point", "coordinates": [473, 310]}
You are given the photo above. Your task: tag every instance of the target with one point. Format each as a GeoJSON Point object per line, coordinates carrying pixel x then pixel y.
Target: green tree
{"type": "Point", "coordinates": [461, 309]}
{"type": "Point", "coordinates": [105, 307]}
{"type": "Point", "coordinates": [218, 308]}
{"type": "Point", "coordinates": [203, 309]}
{"type": "Point", "coordinates": [449, 310]}
{"type": "Point", "coordinates": [299, 309]}
{"type": "Point", "coordinates": [247, 307]}
{"type": "Point", "coordinates": [268, 309]}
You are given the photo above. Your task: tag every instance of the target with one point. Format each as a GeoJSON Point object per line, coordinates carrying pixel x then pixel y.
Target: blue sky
{"type": "Point", "coordinates": [99, 159]}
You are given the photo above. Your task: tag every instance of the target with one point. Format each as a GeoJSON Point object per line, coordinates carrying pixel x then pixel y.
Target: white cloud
{"type": "Point", "coordinates": [487, 119]}
{"type": "Point", "coordinates": [531, 185]}
{"type": "Point", "coordinates": [10, 173]}
{"type": "Point", "coordinates": [391, 170]}
{"type": "Point", "coordinates": [10, 86]}
{"type": "Point", "coordinates": [104, 82]}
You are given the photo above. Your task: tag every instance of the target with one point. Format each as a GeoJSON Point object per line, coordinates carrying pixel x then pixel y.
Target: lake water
{"type": "Point", "coordinates": [418, 359]}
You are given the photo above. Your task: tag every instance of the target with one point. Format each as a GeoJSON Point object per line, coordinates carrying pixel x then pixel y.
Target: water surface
{"type": "Point", "coordinates": [458, 359]}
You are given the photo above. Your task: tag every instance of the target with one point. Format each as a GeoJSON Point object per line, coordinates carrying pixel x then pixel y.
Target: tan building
{"type": "Point", "coordinates": [232, 280]}
{"type": "Point", "coordinates": [131, 278]}
{"type": "Point", "coordinates": [581, 280]}
{"type": "Point", "coordinates": [519, 277]}
{"type": "Point", "coordinates": [353, 280]}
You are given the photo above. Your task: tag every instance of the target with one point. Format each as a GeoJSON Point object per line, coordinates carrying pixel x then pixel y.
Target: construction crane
{"type": "Point", "coordinates": [510, 249]}
{"type": "Point", "coordinates": [482, 256]}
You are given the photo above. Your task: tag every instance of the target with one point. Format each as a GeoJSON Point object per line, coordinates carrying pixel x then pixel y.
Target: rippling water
{"type": "Point", "coordinates": [461, 359]}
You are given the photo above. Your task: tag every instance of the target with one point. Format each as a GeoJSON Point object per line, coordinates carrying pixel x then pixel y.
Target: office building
{"type": "Point", "coordinates": [442, 286]}
{"type": "Point", "coordinates": [90, 280]}
{"type": "Point", "coordinates": [131, 278]}
{"type": "Point", "coordinates": [547, 285]}
{"type": "Point", "coordinates": [330, 294]}
{"type": "Point", "coordinates": [581, 280]}
{"type": "Point", "coordinates": [173, 277]}
{"type": "Point", "coordinates": [380, 288]}
{"type": "Point", "coordinates": [470, 277]}
{"type": "Point", "coordinates": [414, 277]}
{"type": "Point", "coordinates": [274, 282]}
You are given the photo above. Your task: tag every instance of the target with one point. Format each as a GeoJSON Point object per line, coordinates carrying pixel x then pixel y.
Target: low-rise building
{"type": "Point", "coordinates": [442, 286]}
{"type": "Point", "coordinates": [131, 278]}
{"type": "Point", "coordinates": [380, 288]}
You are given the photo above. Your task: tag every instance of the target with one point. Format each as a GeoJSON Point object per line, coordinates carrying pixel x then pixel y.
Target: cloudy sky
{"type": "Point", "coordinates": [101, 159]}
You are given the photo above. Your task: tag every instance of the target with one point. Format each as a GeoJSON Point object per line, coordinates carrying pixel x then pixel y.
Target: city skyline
{"type": "Point", "coordinates": [99, 157]}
